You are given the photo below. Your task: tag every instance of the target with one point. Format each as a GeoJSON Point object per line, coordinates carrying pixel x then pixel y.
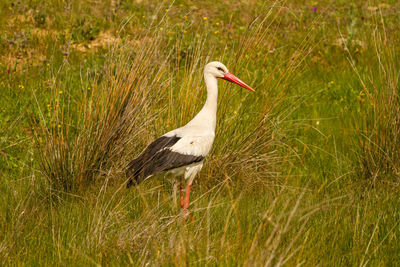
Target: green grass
{"type": "Point", "coordinates": [304, 172]}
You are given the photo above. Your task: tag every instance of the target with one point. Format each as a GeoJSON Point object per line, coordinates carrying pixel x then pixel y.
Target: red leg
{"type": "Point", "coordinates": [186, 205]}
{"type": "Point", "coordinates": [187, 196]}
{"type": "Point", "coordinates": [185, 209]}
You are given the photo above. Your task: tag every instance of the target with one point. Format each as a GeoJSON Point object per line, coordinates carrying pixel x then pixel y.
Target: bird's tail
{"type": "Point", "coordinates": [133, 172]}
{"type": "Point", "coordinates": [131, 181]}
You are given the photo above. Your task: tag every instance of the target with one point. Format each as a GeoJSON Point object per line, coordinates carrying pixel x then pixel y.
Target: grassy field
{"type": "Point", "coordinates": [305, 171]}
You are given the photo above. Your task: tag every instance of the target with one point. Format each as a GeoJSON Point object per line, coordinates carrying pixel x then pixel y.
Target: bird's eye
{"type": "Point", "coordinates": [219, 68]}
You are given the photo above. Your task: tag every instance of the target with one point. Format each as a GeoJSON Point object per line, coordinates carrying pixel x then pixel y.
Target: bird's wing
{"type": "Point", "coordinates": [167, 153]}
{"type": "Point", "coordinates": [136, 167]}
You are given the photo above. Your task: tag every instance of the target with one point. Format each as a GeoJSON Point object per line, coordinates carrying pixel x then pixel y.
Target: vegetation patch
{"type": "Point", "coordinates": [304, 172]}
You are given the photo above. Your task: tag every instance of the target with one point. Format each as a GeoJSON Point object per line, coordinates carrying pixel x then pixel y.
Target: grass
{"type": "Point", "coordinates": [304, 172]}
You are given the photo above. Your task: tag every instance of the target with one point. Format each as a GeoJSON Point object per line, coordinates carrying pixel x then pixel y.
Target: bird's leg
{"type": "Point", "coordinates": [186, 205]}
{"type": "Point", "coordinates": [187, 196]}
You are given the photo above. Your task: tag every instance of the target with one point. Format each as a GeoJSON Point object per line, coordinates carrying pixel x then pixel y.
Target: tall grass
{"type": "Point", "coordinates": [143, 90]}
{"type": "Point", "coordinates": [278, 187]}
{"type": "Point", "coordinates": [379, 129]}
{"type": "Point", "coordinates": [91, 126]}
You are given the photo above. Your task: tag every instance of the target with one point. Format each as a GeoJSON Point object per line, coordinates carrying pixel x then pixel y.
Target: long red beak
{"type": "Point", "coordinates": [232, 78]}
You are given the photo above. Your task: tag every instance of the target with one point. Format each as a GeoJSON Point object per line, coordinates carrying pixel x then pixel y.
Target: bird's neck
{"type": "Point", "coordinates": [212, 95]}
{"type": "Point", "coordinates": [207, 116]}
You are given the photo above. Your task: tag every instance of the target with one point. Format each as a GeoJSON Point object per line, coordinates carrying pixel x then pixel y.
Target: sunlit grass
{"type": "Point", "coordinates": [285, 181]}
{"type": "Point", "coordinates": [379, 128]}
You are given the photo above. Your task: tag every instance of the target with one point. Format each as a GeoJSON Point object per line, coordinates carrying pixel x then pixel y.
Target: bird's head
{"type": "Point", "coordinates": [220, 71]}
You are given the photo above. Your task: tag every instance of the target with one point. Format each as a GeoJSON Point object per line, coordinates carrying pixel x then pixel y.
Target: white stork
{"type": "Point", "coordinates": [182, 151]}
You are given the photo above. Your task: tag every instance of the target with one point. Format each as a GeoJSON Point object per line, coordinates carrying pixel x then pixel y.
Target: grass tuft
{"type": "Point", "coordinates": [379, 128]}
{"type": "Point", "coordinates": [87, 132]}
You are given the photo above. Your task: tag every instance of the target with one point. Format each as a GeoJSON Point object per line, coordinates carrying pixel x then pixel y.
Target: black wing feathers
{"type": "Point", "coordinates": [136, 165]}
{"type": "Point", "coordinates": [158, 158]}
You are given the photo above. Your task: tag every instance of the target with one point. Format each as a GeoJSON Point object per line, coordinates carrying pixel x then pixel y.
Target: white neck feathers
{"type": "Point", "coordinates": [207, 117]}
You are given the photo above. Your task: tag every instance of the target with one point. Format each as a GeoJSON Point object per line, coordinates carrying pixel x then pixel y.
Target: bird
{"type": "Point", "coordinates": [181, 152]}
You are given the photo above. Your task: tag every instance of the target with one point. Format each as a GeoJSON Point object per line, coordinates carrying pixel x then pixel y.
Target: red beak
{"type": "Point", "coordinates": [232, 78]}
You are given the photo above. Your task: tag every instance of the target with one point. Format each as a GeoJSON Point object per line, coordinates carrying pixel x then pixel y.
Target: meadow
{"type": "Point", "coordinates": [306, 171]}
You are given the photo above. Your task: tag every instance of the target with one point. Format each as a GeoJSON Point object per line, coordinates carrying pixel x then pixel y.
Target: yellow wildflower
{"type": "Point", "coordinates": [205, 18]}
{"type": "Point", "coordinates": [21, 86]}
{"type": "Point", "coordinates": [217, 23]}
{"type": "Point", "coordinates": [60, 92]}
